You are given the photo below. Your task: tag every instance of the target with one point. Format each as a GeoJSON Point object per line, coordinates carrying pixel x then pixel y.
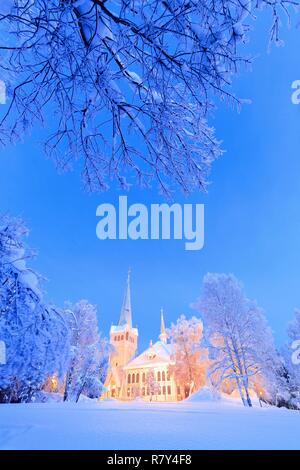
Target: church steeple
{"type": "Point", "coordinates": [163, 334]}
{"type": "Point", "coordinates": [125, 315]}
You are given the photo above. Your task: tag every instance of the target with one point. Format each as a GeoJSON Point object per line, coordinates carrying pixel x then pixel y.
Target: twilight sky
{"type": "Point", "coordinates": [252, 211]}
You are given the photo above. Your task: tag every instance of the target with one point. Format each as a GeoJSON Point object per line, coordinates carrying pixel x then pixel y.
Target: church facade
{"type": "Point", "coordinates": [146, 375]}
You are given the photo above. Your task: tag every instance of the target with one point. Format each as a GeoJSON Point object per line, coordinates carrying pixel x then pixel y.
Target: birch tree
{"type": "Point", "coordinates": [35, 334]}
{"type": "Point", "coordinates": [241, 343]}
{"type": "Point", "coordinates": [189, 357]}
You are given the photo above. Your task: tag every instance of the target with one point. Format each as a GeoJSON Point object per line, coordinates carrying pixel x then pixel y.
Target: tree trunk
{"type": "Point", "coordinates": [79, 392]}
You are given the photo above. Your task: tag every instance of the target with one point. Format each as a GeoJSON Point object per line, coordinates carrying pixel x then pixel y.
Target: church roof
{"type": "Point", "coordinates": [158, 353]}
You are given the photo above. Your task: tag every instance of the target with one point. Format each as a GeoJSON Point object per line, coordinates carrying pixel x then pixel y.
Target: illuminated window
{"type": "Point", "coordinates": [168, 374]}
{"type": "Point", "coordinates": [129, 378]}
{"type": "Point", "coordinates": [127, 335]}
{"type": "Point", "coordinates": [163, 376]}
{"type": "Point", "coordinates": [164, 390]}
{"type": "Point", "coordinates": [137, 378]}
{"type": "Point", "coordinates": [144, 377]}
{"type": "Point", "coordinates": [133, 378]}
{"type": "Point", "coordinates": [169, 390]}
{"type": "Point", "coordinates": [128, 392]}
{"type": "Point", "coordinates": [158, 376]}
{"type": "Point", "coordinates": [143, 391]}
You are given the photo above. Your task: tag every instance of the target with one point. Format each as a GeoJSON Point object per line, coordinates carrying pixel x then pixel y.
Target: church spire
{"type": "Point", "coordinates": [125, 316]}
{"type": "Point", "coordinates": [163, 334]}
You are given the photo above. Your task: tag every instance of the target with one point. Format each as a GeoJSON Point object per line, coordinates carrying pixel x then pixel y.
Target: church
{"type": "Point", "coordinates": [146, 375]}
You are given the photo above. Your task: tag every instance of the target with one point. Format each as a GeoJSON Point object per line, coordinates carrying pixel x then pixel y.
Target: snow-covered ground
{"type": "Point", "coordinates": [137, 425]}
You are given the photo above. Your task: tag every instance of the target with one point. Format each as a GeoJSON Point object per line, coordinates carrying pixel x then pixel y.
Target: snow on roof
{"type": "Point", "coordinates": [158, 354]}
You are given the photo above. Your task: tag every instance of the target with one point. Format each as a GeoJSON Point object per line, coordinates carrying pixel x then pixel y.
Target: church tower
{"type": "Point", "coordinates": [123, 339]}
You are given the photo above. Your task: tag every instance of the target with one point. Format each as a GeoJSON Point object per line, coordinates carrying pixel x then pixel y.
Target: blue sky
{"type": "Point", "coordinates": [252, 211]}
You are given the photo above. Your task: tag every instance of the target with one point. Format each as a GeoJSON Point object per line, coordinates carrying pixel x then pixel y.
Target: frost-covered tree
{"type": "Point", "coordinates": [129, 83]}
{"type": "Point", "coordinates": [188, 355]}
{"type": "Point", "coordinates": [151, 384]}
{"type": "Point", "coordinates": [241, 343]}
{"type": "Point", "coordinates": [88, 359]}
{"type": "Point", "coordinates": [35, 335]}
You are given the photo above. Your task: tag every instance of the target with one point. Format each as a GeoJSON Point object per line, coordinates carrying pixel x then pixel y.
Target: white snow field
{"type": "Point", "coordinates": [114, 425]}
